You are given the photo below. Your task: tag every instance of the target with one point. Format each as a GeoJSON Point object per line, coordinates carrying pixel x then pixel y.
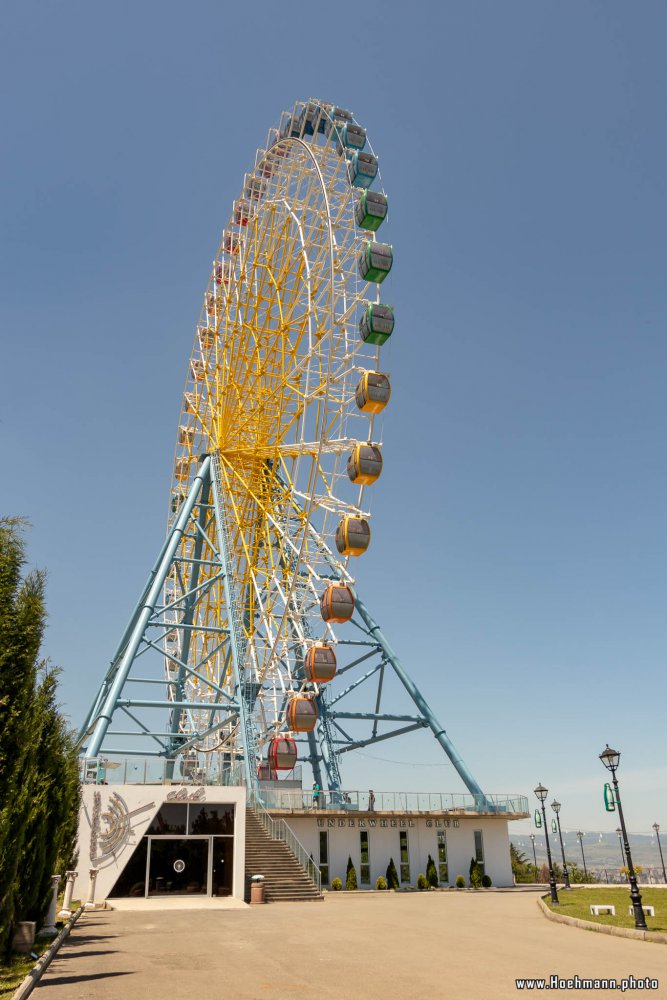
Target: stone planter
{"type": "Point", "coordinates": [24, 937]}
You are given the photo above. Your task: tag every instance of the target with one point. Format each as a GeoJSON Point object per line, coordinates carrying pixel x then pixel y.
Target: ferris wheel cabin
{"type": "Point", "coordinates": [364, 464]}
{"type": "Point", "coordinates": [375, 261]}
{"type": "Point", "coordinates": [282, 754]}
{"type": "Point", "coordinates": [376, 324]}
{"type": "Point", "coordinates": [353, 536]}
{"type": "Point", "coordinates": [301, 714]}
{"type": "Point", "coordinates": [373, 392]}
{"type": "Point", "coordinates": [371, 210]}
{"type": "Point", "coordinates": [319, 664]}
{"type": "Point", "coordinates": [337, 603]}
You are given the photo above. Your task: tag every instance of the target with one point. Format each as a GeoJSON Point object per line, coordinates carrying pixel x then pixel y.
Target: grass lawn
{"type": "Point", "coordinates": [18, 967]}
{"type": "Point", "coordinates": [577, 903]}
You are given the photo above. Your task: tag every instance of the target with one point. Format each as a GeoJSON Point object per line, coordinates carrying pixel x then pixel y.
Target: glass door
{"type": "Point", "coordinates": [178, 866]}
{"type": "Point", "coordinates": [222, 866]}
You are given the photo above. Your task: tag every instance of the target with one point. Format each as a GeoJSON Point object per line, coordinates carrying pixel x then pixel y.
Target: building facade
{"type": "Point", "coordinates": [154, 838]}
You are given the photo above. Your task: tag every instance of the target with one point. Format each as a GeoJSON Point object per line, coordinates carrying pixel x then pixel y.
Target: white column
{"type": "Point", "coordinates": [90, 903]}
{"type": "Point", "coordinates": [49, 929]}
{"type": "Point", "coordinates": [66, 911]}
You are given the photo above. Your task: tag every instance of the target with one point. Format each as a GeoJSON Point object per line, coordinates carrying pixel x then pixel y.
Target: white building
{"type": "Point", "coordinates": [157, 838]}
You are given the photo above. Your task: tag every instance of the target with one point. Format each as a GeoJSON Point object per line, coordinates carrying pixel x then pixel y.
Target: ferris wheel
{"type": "Point", "coordinates": [284, 391]}
{"type": "Point", "coordinates": [279, 450]}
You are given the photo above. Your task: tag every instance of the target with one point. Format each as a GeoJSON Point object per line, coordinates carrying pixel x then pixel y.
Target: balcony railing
{"type": "Point", "coordinates": [155, 771]}
{"type": "Point", "coordinates": [293, 800]}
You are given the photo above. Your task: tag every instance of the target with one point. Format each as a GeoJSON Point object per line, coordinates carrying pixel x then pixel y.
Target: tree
{"type": "Point", "coordinates": [39, 790]}
{"type": "Point", "coordinates": [431, 873]}
{"type": "Point", "coordinates": [522, 870]}
{"type": "Point", "coordinates": [475, 873]}
{"type": "Point", "coordinates": [392, 875]}
{"type": "Point", "coordinates": [351, 876]}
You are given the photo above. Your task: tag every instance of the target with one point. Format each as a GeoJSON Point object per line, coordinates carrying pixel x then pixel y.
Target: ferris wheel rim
{"type": "Point", "coordinates": [335, 372]}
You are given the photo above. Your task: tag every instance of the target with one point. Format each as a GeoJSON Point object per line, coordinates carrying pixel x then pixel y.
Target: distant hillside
{"type": "Point", "coordinates": [602, 850]}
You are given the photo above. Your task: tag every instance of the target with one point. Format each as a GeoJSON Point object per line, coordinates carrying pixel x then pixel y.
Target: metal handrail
{"type": "Point", "coordinates": [278, 829]}
{"type": "Point", "coordinates": [301, 800]}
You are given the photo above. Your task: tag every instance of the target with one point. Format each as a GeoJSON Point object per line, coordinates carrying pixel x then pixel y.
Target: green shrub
{"type": "Point", "coordinates": [380, 882]}
{"type": "Point", "coordinates": [475, 874]}
{"type": "Point", "coordinates": [431, 873]}
{"type": "Point", "coordinates": [422, 882]}
{"type": "Point", "coordinates": [351, 876]}
{"type": "Point", "coordinates": [460, 882]}
{"type": "Point", "coordinates": [336, 885]}
{"type": "Point", "coordinates": [486, 882]}
{"type": "Point", "coordinates": [392, 875]}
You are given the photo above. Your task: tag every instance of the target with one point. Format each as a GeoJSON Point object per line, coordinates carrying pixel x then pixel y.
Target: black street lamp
{"type": "Point", "coordinates": [580, 835]}
{"type": "Point", "coordinates": [619, 833]}
{"type": "Point", "coordinates": [542, 793]}
{"type": "Point", "coordinates": [532, 837]}
{"type": "Point", "coordinates": [556, 808]}
{"type": "Point", "coordinates": [611, 758]}
{"type": "Point", "coordinates": [657, 833]}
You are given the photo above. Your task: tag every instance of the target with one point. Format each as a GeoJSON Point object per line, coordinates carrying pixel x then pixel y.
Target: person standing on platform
{"type": "Point", "coordinates": [371, 801]}
{"type": "Point", "coordinates": [316, 795]}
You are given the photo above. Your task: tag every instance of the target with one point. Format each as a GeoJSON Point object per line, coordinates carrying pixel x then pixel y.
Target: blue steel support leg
{"type": "Point", "coordinates": [145, 610]}
{"type": "Point", "coordinates": [92, 714]}
{"type": "Point", "coordinates": [419, 700]}
{"type": "Point", "coordinates": [329, 755]}
{"type": "Point", "coordinates": [314, 759]}
{"type": "Point", "coordinates": [188, 617]}
{"type": "Point", "coordinates": [237, 639]}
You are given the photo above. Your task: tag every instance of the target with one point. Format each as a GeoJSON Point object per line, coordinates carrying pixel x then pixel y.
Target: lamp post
{"type": "Point", "coordinates": [541, 792]}
{"type": "Point", "coordinates": [611, 758]}
{"type": "Point", "coordinates": [619, 833]}
{"type": "Point", "coordinates": [580, 835]}
{"type": "Point", "coordinates": [566, 876]}
{"type": "Point", "coordinates": [657, 833]}
{"type": "Point", "coordinates": [532, 837]}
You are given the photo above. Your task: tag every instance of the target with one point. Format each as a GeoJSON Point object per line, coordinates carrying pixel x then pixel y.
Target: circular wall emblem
{"type": "Point", "coordinates": [179, 866]}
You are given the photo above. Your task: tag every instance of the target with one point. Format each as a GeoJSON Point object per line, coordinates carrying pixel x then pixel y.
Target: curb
{"type": "Point", "coordinates": [587, 925]}
{"type": "Point", "coordinates": [36, 973]}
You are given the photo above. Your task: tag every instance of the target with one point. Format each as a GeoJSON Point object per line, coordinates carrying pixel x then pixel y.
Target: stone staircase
{"type": "Point", "coordinates": [284, 878]}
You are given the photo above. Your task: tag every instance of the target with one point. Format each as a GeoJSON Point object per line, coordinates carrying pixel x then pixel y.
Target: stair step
{"type": "Point", "coordinates": [285, 880]}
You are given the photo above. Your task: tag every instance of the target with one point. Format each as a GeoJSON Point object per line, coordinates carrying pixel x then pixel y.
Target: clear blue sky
{"type": "Point", "coordinates": [524, 151]}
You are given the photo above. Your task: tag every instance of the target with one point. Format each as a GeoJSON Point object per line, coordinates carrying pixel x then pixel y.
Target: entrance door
{"type": "Point", "coordinates": [178, 866]}
{"type": "Point", "coordinates": [223, 866]}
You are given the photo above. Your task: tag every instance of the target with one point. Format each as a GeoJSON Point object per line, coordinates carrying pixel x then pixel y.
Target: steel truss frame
{"type": "Point", "coordinates": [229, 701]}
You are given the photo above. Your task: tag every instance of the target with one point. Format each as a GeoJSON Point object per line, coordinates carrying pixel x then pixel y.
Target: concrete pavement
{"type": "Point", "coordinates": [460, 945]}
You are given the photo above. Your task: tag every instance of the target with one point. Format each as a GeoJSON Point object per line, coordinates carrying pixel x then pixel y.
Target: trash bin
{"type": "Point", "coordinates": [257, 889]}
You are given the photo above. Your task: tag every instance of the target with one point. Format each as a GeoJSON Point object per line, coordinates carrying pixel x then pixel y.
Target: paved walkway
{"type": "Point", "coordinates": [464, 946]}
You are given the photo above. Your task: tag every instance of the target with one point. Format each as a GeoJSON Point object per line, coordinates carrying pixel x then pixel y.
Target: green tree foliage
{"type": "Point", "coordinates": [392, 875]}
{"type": "Point", "coordinates": [475, 873]}
{"type": "Point", "coordinates": [522, 869]}
{"type": "Point", "coordinates": [350, 876]}
{"type": "Point", "coordinates": [39, 789]}
{"type": "Point", "coordinates": [431, 873]}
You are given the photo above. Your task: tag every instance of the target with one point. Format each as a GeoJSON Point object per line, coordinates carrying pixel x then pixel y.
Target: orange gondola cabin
{"type": "Point", "coordinates": [301, 714]}
{"type": "Point", "coordinates": [319, 664]}
{"type": "Point", "coordinates": [337, 603]}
